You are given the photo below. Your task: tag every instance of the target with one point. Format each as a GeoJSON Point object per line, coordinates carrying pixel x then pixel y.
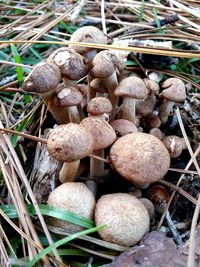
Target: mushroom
{"type": "Point", "coordinates": [123, 127]}
{"type": "Point", "coordinates": [174, 92]}
{"type": "Point", "coordinates": [139, 157]}
{"type": "Point", "coordinates": [44, 80]}
{"type": "Point", "coordinates": [149, 206]}
{"type": "Point", "coordinates": [174, 145]}
{"type": "Point", "coordinates": [146, 106]}
{"type": "Point", "coordinates": [105, 66]}
{"type": "Point", "coordinates": [98, 88]}
{"type": "Point", "coordinates": [70, 98]}
{"type": "Point", "coordinates": [103, 135]}
{"type": "Point", "coordinates": [157, 133]}
{"type": "Point", "coordinates": [152, 86]}
{"type": "Point", "coordinates": [131, 89]}
{"type": "Point", "coordinates": [70, 142]}
{"type": "Point", "coordinates": [73, 197]}
{"type": "Point", "coordinates": [72, 65]}
{"type": "Point", "coordinates": [87, 34]}
{"type": "Point", "coordinates": [68, 171]}
{"type": "Point", "coordinates": [152, 122]}
{"type": "Point", "coordinates": [99, 106]}
{"type": "Point", "coordinates": [126, 219]}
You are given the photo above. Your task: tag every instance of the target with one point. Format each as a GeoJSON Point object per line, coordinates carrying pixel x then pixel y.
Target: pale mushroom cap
{"type": "Point", "coordinates": [44, 77]}
{"type": "Point", "coordinates": [123, 127]}
{"type": "Point", "coordinates": [99, 105]}
{"type": "Point", "coordinates": [70, 63]}
{"type": "Point", "coordinates": [103, 64]}
{"type": "Point", "coordinates": [149, 206]}
{"type": "Point", "coordinates": [74, 197]}
{"type": "Point", "coordinates": [175, 90]}
{"type": "Point", "coordinates": [98, 85]}
{"type": "Point", "coordinates": [69, 142]}
{"type": "Point", "coordinates": [87, 34]}
{"type": "Point", "coordinates": [133, 87]}
{"type": "Point", "coordinates": [69, 96]}
{"type": "Point", "coordinates": [140, 158]}
{"type": "Point", "coordinates": [103, 134]}
{"type": "Point", "coordinates": [126, 218]}
{"type": "Point", "coordinates": [157, 133]}
{"type": "Point", "coordinates": [152, 86]}
{"type": "Point", "coordinates": [174, 145]}
{"type": "Point", "coordinates": [145, 107]}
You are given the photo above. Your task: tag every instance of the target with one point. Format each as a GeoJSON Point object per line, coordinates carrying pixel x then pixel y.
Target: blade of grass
{"type": "Point", "coordinates": [51, 211]}
{"type": "Point", "coordinates": [61, 242]}
{"type": "Point", "coordinates": [17, 59]}
{"type": "Point", "coordinates": [141, 11]}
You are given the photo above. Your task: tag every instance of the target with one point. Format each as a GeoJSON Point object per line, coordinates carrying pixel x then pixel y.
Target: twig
{"type": "Point", "coordinates": [173, 229]}
{"type": "Point", "coordinates": [190, 260]}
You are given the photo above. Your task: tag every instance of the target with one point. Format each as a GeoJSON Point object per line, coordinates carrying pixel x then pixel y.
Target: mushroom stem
{"type": "Point", "coordinates": [165, 109]}
{"type": "Point", "coordinates": [73, 114]}
{"type": "Point", "coordinates": [69, 83]}
{"type": "Point", "coordinates": [68, 171]}
{"type": "Point", "coordinates": [111, 83]}
{"type": "Point", "coordinates": [96, 165]}
{"type": "Point", "coordinates": [129, 108]}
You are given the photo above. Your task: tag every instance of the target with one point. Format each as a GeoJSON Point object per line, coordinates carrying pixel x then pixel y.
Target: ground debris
{"type": "Point", "coordinates": [154, 250]}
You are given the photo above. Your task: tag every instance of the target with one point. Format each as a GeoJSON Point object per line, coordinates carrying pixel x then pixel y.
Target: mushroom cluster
{"type": "Point", "coordinates": [108, 114]}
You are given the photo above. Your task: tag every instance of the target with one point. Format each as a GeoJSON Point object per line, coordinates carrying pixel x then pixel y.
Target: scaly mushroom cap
{"type": "Point", "coordinates": [175, 90]}
{"type": "Point", "coordinates": [87, 34]}
{"type": "Point", "coordinates": [174, 145]}
{"type": "Point", "coordinates": [133, 87]}
{"type": "Point", "coordinates": [152, 86]}
{"type": "Point", "coordinates": [74, 197]}
{"type": "Point", "coordinates": [44, 78]}
{"type": "Point", "coordinates": [104, 64]}
{"type": "Point", "coordinates": [126, 218]}
{"type": "Point", "coordinates": [71, 64]}
{"type": "Point", "coordinates": [103, 134]}
{"type": "Point", "coordinates": [149, 206]}
{"type": "Point", "coordinates": [69, 142]}
{"type": "Point", "coordinates": [99, 105]}
{"type": "Point", "coordinates": [98, 85]}
{"type": "Point", "coordinates": [145, 107]}
{"type": "Point", "coordinates": [67, 97]}
{"type": "Point", "coordinates": [140, 157]}
{"type": "Point", "coordinates": [123, 127]}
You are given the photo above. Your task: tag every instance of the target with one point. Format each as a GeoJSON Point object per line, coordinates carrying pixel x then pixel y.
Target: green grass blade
{"type": "Point", "coordinates": [141, 11]}
{"type": "Point", "coordinates": [157, 19]}
{"type": "Point", "coordinates": [17, 59]}
{"type": "Point", "coordinates": [51, 211]}
{"type": "Point", "coordinates": [61, 242]}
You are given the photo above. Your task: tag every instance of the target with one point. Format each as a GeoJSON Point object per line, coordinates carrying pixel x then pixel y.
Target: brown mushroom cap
{"type": "Point", "coordinates": [104, 64]}
{"type": "Point", "coordinates": [99, 105]}
{"type": "Point", "coordinates": [126, 218]}
{"type": "Point", "coordinates": [174, 145]}
{"type": "Point", "coordinates": [149, 206]}
{"type": "Point", "coordinates": [69, 96]}
{"type": "Point", "coordinates": [74, 197]}
{"type": "Point", "coordinates": [87, 34]}
{"type": "Point", "coordinates": [123, 127]}
{"type": "Point", "coordinates": [133, 87]}
{"type": "Point", "coordinates": [44, 78]}
{"type": "Point", "coordinates": [145, 107]}
{"type": "Point", "coordinates": [175, 90]}
{"type": "Point", "coordinates": [103, 134]}
{"type": "Point", "coordinates": [157, 133]}
{"type": "Point", "coordinates": [98, 85]}
{"type": "Point", "coordinates": [152, 86]}
{"type": "Point", "coordinates": [70, 63]}
{"type": "Point", "coordinates": [140, 158]}
{"type": "Point", "coordinates": [69, 142]}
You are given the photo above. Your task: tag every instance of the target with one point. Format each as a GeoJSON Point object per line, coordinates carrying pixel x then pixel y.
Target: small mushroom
{"type": "Point", "coordinates": [87, 34]}
{"type": "Point", "coordinates": [104, 136]}
{"type": "Point", "coordinates": [70, 98]}
{"type": "Point", "coordinates": [72, 65]}
{"type": "Point", "coordinates": [174, 91]}
{"type": "Point", "coordinates": [123, 127]}
{"type": "Point", "coordinates": [174, 145]}
{"type": "Point", "coordinates": [149, 206]}
{"type": "Point", "coordinates": [152, 86]}
{"type": "Point", "coordinates": [145, 107]}
{"type": "Point", "coordinates": [99, 106]}
{"type": "Point", "coordinates": [152, 122]}
{"type": "Point", "coordinates": [74, 197]}
{"type": "Point", "coordinates": [131, 89]}
{"type": "Point", "coordinates": [157, 133]}
{"type": "Point", "coordinates": [126, 219]}
{"type": "Point", "coordinates": [44, 80]}
{"type": "Point", "coordinates": [140, 157]}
